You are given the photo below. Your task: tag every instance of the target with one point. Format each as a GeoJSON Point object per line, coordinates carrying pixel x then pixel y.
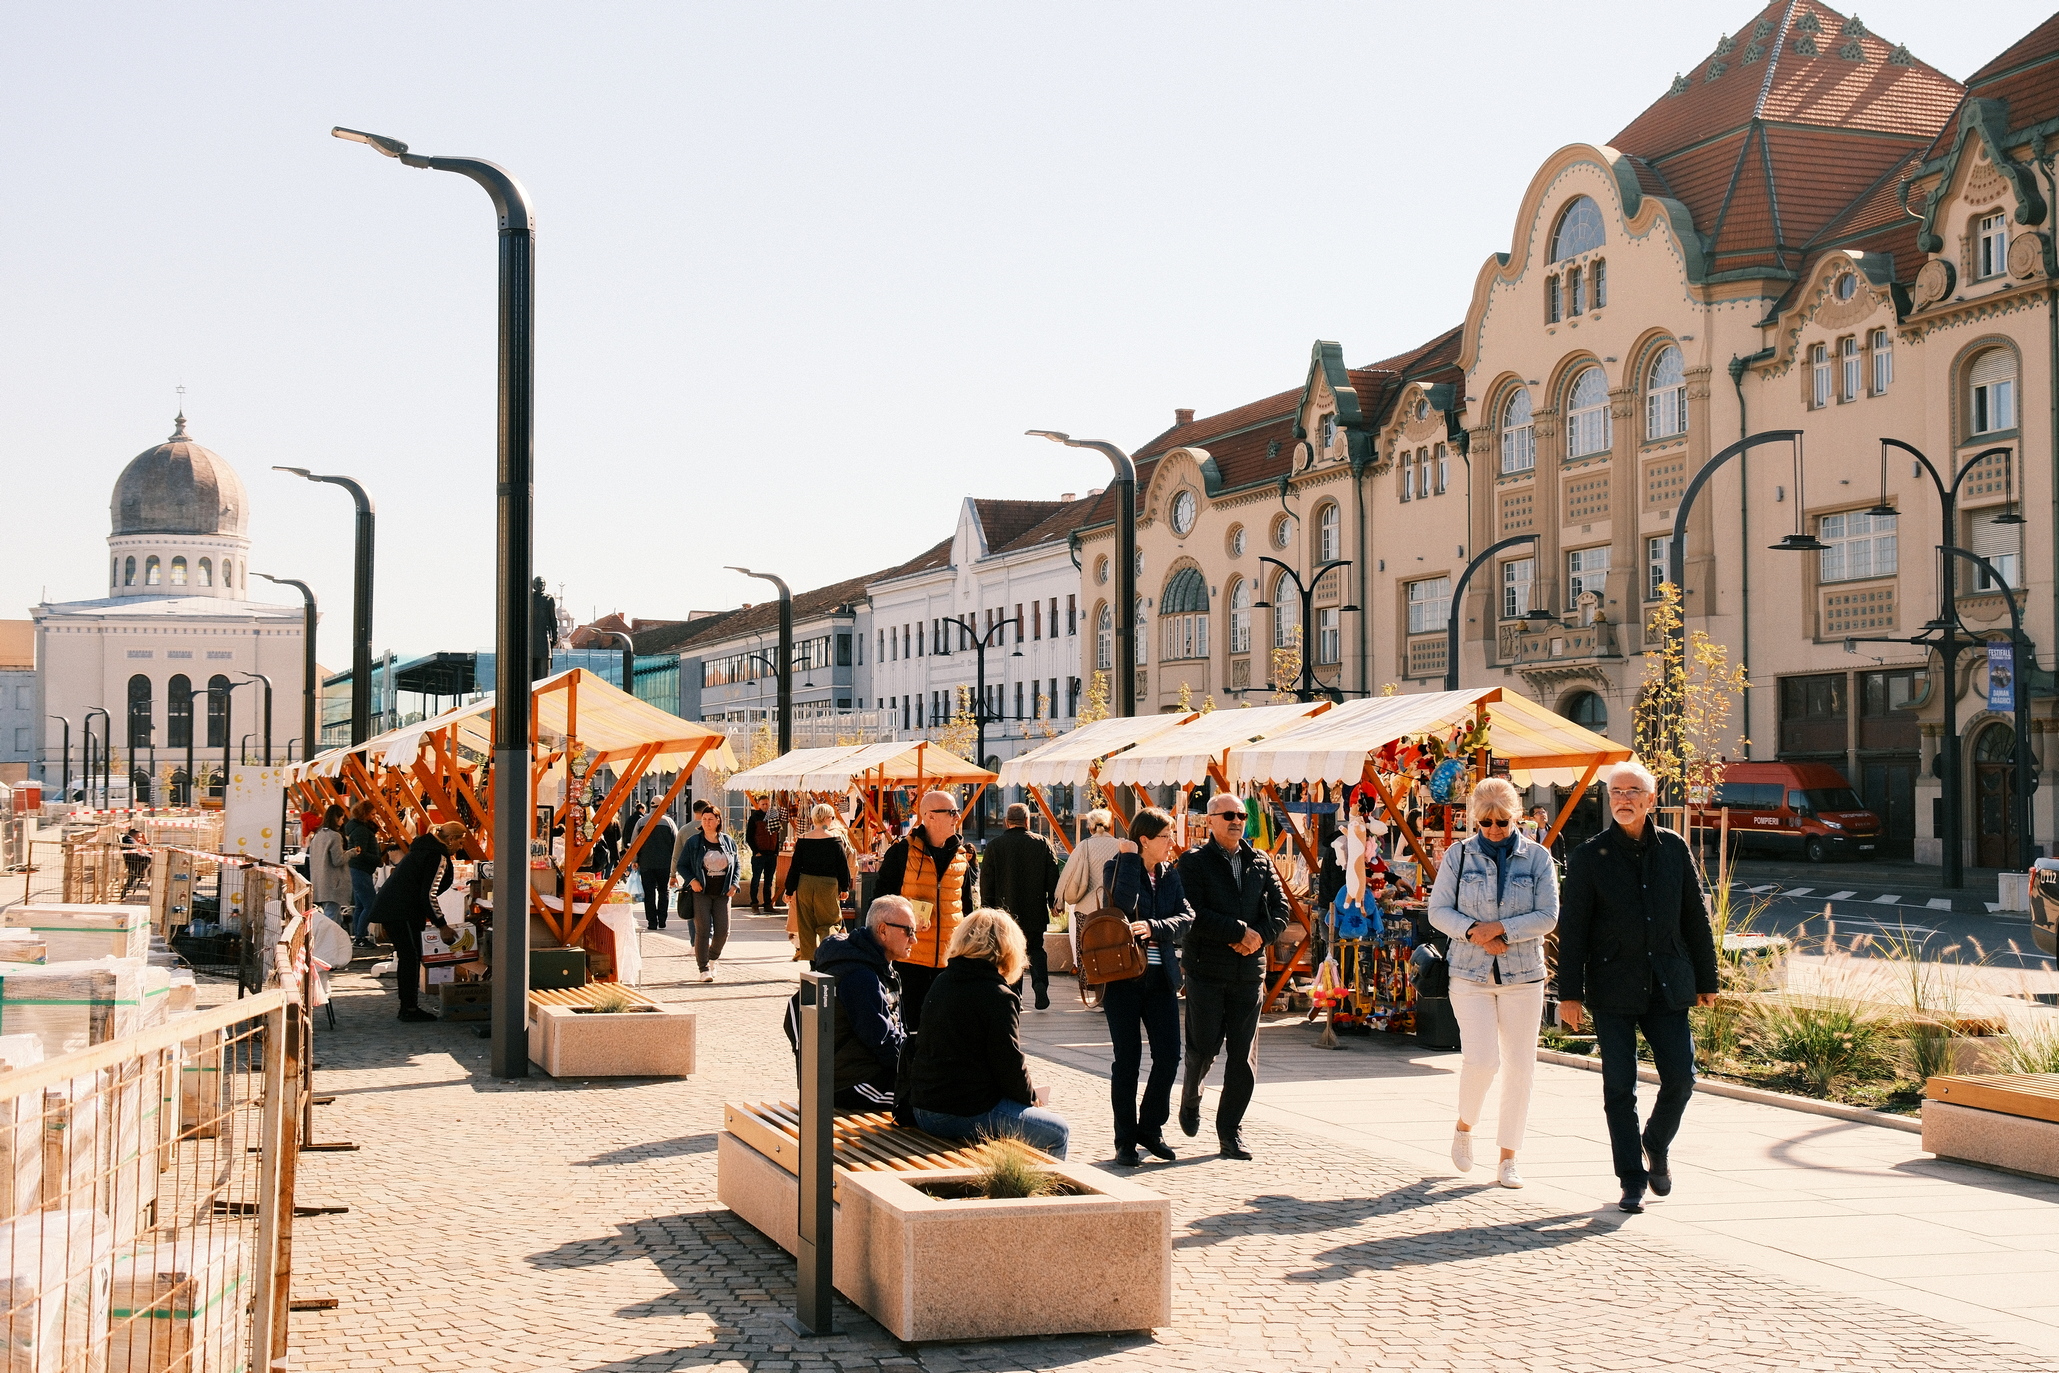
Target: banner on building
{"type": "Point", "coordinates": [2002, 677]}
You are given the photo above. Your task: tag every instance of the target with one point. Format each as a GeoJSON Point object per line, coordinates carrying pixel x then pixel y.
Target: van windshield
{"type": "Point", "coordinates": [1834, 798]}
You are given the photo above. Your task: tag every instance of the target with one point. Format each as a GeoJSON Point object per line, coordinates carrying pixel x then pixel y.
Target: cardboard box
{"type": "Point", "coordinates": [78, 931]}
{"type": "Point", "coordinates": [466, 1001]}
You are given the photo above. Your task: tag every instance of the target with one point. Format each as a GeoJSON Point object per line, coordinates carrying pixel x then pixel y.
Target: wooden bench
{"type": "Point", "coordinates": [2003, 1120]}
{"type": "Point", "coordinates": [866, 1142]}
{"type": "Point", "coordinates": [588, 995]}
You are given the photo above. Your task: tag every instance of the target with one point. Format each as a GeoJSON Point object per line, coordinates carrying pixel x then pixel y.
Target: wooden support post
{"type": "Point", "coordinates": [1050, 819]}
{"type": "Point", "coordinates": [628, 855]}
{"type": "Point", "coordinates": [1372, 779]}
{"type": "Point", "coordinates": [1566, 811]}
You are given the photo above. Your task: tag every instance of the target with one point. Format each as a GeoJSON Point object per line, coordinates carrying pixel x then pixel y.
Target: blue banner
{"type": "Point", "coordinates": [2002, 677]}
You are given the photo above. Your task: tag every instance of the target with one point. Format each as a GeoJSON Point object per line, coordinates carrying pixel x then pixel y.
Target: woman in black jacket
{"type": "Point", "coordinates": [969, 1079]}
{"type": "Point", "coordinates": [1142, 881]}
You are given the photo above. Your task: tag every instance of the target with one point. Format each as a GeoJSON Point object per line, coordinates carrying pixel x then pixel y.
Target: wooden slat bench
{"type": "Point", "coordinates": [587, 995]}
{"type": "Point", "coordinates": [2003, 1120]}
{"type": "Point", "coordinates": [865, 1141]}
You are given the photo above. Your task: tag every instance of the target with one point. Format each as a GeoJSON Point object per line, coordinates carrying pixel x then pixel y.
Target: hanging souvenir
{"type": "Point", "coordinates": [1442, 780]}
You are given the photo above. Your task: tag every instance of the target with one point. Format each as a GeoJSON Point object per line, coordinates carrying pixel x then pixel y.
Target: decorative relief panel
{"type": "Point", "coordinates": [2027, 256]}
{"type": "Point", "coordinates": [1587, 499]}
{"type": "Point", "coordinates": [1426, 656]}
{"type": "Point", "coordinates": [1518, 511]}
{"type": "Point", "coordinates": [1987, 482]}
{"type": "Point", "coordinates": [1665, 482]}
{"type": "Point", "coordinates": [1934, 282]}
{"type": "Point", "coordinates": [1858, 610]}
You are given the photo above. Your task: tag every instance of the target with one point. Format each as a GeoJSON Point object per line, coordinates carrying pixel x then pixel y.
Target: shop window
{"type": "Point", "coordinates": [1861, 545]}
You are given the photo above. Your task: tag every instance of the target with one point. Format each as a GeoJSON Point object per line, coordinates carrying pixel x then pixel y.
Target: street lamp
{"type": "Point", "coordinates": [106, 755]}
{"type": "Point", "coordinates": [310, 739]}
{"type": "Point", "coordinates": [786, 656]}
{"type": "Point", "coordinates": [628, 657]}
{"type": "Point", "coordinates": [981, 715]}
{"type": "Point", "coordinates": [64, 792]}
{"type": "Point", "coordinates": [1308, 688]}
{"type": "Point", "coordinates": [512, 817]}
{"type": "Point", "coordinates": [1537, 618]}
{"type": "Point", "coordinates": [1125, 563]}
{"type": "Point", "coordinates": [360, 605]}
{"type": "Point", "coordinates": [259, 676]}
{"type": "Point", "coordinates": [191, 693]}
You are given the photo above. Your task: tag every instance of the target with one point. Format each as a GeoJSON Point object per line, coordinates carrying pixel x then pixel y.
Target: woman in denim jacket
{"type": "Point", "coordinates": [1497, 896]}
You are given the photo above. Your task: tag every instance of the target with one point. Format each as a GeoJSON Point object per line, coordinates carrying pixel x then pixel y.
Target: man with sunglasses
{"type": "Point", "coordinates": [937, 871]}
{"type": "Point", "coordinates": [869, 1032]}
{"type": "Point", "coordinates": [1239, 908]}
{"type": "Point", "coordinates": [1636, 948]}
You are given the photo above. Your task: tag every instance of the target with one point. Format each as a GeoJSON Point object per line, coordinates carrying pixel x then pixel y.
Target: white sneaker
{"type": "Point", "coordinates": [1509, 1177]}
{"type": "Point", "coordinates": [708, 973]}
{"type": "Point", "coordinates": [1462, 1150]}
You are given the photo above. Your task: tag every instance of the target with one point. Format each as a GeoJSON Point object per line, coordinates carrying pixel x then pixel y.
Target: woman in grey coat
{"type": "Point", "coordinates": [1497, 896]}
{"type": "Point", "coordinates": [328, 866]}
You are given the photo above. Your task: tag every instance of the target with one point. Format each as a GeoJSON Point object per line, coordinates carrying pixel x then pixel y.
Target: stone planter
{"type": "Point", "coordinates": [2018, 1143]}
{"type": "Point", "coordinates": [925, 1267]}
{"type": "Point", "coordinates": [650, 1042]}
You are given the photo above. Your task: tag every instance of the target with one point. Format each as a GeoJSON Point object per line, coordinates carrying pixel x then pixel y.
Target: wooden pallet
{"type": "Point", "coordinates": [2034, 1096]}
{"type": "Point", "coordinates": [584, 996]}
{"type": "Point", "coordinates": [867, 1142]}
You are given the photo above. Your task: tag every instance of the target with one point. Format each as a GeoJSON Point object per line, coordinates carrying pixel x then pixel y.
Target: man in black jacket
{"type": "Point", "coordinates": [1021, 877]}
{"type": "Point", "coordinates": [656, 842]}
{"type": "Point", "coordinates": [407, 905]}
{"type": "Point", "coordinates": [1635, 947]}
{"type": "Point", "coordinates": [869, 1035]}
{"type": "Point", "coordinates": [1238, 910]}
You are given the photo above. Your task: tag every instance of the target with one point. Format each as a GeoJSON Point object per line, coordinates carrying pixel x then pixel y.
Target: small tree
{"type": "Point", "coordinates": [1287, 669]}
{"type": "Point", "coordinates": [1095, 706]}
{"type": "Point", "coordinates": [961, 735]}
{"type": "Point", "coordinates": [1681, 724]}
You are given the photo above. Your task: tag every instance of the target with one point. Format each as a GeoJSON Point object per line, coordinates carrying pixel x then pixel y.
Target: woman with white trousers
{"type": "Point", "coordinates": [1497, 896]}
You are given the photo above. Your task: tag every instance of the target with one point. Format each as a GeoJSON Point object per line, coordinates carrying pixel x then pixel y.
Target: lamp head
{"type": "Point", "coordinates": [1347, 610]}
{"type": "Point", "coordinates": [1799, 543]}
{"type": "Point", "coordinates": [1051, 434]}
{"type": "Point", "coordinates": [2008, 517]}
{"type": "Point", "coordinates": [1261, 605]}
{"type": "Point", "coordinates": [745, 570]}
{"type": "Point", "coordinates": [391, 147]}
{"type": "Point", "coordinates": [296, 471]}
{"type": "Point", "coordinates": [1541, 619]}
{"type": "Point", "coordinates": [1883, 510]}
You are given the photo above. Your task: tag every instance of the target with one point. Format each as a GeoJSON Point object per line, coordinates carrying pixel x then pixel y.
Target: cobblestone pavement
{"type": "Point", "coordinates": [574, 1226]}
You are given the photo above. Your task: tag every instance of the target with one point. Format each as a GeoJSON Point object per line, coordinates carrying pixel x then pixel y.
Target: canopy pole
{"type": "Point", "coordinates": [679, 782]}
{"type": "Point", "coordinates": [1566, 811]}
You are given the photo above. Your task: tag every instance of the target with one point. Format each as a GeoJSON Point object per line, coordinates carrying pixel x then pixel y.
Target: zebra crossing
{"type": "Point", "coordinates": [1895, 899]}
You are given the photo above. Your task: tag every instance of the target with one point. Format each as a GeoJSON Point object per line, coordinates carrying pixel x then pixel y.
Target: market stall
{"type": "Point", "coordinates": [1074, 759]}
{"type": "Point", "coordinates": [1402, 768]}
{"type": "Point", "coordinates": [583, 731]}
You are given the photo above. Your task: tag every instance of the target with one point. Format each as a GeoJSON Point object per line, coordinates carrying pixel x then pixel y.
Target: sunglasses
{"type": "Point", "coordinates": [940, 811]}
{"type": "Point", "coordinates": [1628, 794]}
{"type": "Point", "coordinates": [904, 929]}
{"type": "Point", "coordinates": [1484, 823]}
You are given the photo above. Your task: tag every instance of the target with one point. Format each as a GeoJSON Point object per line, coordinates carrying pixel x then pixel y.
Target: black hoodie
{"type": "Point", "coordinates": [868, 1008]}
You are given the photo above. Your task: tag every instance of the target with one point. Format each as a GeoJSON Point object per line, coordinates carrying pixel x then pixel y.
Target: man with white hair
{"type": "Point", "coordinates": [869, 1033]}
{"type": "Point", "coordinates": [1635, 947]}
{"type": "Point", "coordinates": [939, 874]}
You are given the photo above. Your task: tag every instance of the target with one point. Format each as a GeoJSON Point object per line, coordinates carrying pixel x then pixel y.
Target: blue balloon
{"type": "Point", "coordinates": [1442, 780]}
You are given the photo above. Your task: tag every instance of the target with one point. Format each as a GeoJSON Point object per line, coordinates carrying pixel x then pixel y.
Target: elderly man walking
{"type": "Point", "coordinates": [1238, 910]}
{"type": "Point", "coordinates": [1635, 948]}
{"type": "Point", "coordinates": [1022, 879]}
{"type": "Point", "coordinates": [936, 870]}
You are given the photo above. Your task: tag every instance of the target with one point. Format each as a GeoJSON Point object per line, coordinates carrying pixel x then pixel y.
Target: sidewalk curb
{"type": "Point", "coordinates": [1715, 1087]}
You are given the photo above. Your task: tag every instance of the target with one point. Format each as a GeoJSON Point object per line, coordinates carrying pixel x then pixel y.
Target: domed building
{"type": "Point", "coordinates": [173, 651]}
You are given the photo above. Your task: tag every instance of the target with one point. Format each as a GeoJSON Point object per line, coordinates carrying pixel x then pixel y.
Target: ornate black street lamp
{"type": "Point", "coordinates": [1307, 688]}
{"type": "Point", "coordinates": [1537, 618]}
{"type": "Point", "coordinates": [1125, 684]}
{"type": "Point", "coordinates": [786, 656]}
{"type": "Point", "coordinates": [310, 737]}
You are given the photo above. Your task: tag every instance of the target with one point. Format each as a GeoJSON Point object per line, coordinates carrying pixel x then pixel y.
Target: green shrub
{"type": "Point", "coordinates": [1931, 1050]}
{"type": "Point", "coordinates": [1009, 1169]}
{"type": "Point", "coordinates": [1825, 1043]}
{"type": "Point", "coordinates": [2034, 1049]}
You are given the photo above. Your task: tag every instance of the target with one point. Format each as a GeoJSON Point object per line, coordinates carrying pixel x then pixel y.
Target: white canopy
{"type": "Point", "coordinates": [609, 721]}
{"type": "Point", "coordinates": [895, 763]}
{"type": "Point", "coordinates": [1180, 756]}
{"type": "Point", "coordinates": [1541, 748]}
{"type": "Point", "coordinates": [1068, 760]}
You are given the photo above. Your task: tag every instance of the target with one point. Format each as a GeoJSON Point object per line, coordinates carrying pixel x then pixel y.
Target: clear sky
{"type": "Point", "coordinates": [806, 271]}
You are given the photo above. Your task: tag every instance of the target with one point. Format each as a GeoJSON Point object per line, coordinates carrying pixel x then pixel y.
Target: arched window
{"type": "Point", "coordinates": [1240, 616]}
{"type": "Point", "coordinates": [139, 712]}
{"type": "Point", "coordinates": [1589, 710]}
{"type": "Point", "coordinates": [228, 573]}
{"type": "Point", "coordinates": [1665, 396]}
{"type": "Point", "coordinates": [1328, 530]}
{"type": "Point", "coordinates": [114, 572]}
{"type": "Point", "coordinates": [152, 573]}
{"type": "Point", "coordinates": [206, 572]}
{"type": "Point", "coordinates": [178, 712]}
{"type": "Point", "coordinates": [178, 572]}
{"type": "Point", "coordinates": [1518, 435]}
{"type": "Point", "coordinates": [1286, 613]}
{"type": "Point", "coordinates": [1587, 415]}
{"type": "Point", "coordinates": [1579, 229]}
{"type": "Point", "coordinates": [1104, 639]}
{"type": "Point", "coordinates": [129, 572]}
{"type": "Point", "coordinates": [217, 711]}
{"type": "Point", "coordinates": [1183, 611]}
{"type": "Point", "coordinates": [1991, 383]}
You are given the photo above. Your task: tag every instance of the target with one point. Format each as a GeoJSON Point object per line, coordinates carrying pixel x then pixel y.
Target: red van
{"type": "Point", "coordinates": [1798, 810]}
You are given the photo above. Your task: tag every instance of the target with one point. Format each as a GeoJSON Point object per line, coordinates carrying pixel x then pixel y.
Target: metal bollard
{"type": "Point", "coordinates": [815, 1285]}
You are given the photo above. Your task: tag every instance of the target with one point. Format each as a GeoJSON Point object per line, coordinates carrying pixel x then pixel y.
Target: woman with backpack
{"type": "Point", "coordinates": [707, 863]}
{"type": "Point", "coordinates": [1080, 884]}
{"type": "Point", "coordinates": [1142, 882]}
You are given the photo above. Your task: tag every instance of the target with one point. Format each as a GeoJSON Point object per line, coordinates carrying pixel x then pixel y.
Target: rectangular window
{"type": "Point", "coordinates": [1018, 628]}
{"type": "Point", "coordinates": [1072, 615]}
{"type": "Point", "coordinates": [1813, 714]}
{"type": "Point", "coordinates": [1586, 570]}
{"type": "Point", "coordinates": [1883, 362]}
{"type": "Point", "coordinates": [1072, 697]}
{"type": "Point", "coordinates": [1886, 720]}
{"type": "Point", "coordinates": [2000, 544]}
{"type": "Point", "coordinates": [1848, 359]}
{"type": "Point", "coordinates": [1036, 619]}
{"type": "Point", "coordinates": [1518, 576]}
{"type": "Point", "coordinates": [1861, 545]}
{"type": "Point", "coordinates": [882, 656]}
{"type": "Point", "coordinates": [919, 703]}
{"type": "Point", "coordinates": [1819, 376]}
{"type": "Point", "coordinates": [1408, 476]}
{"type": "Point", "coordinates": [1993, 234]}
{"type": "Point", "coordinates": [1018, 700]}
{"type": "Point", "coordinates": [1601, 285]}
{"type": "Point", "coordinates": [1552, 298]}
{"type": "Point", "coordinates": [1658, 559]}
{"type": "Point", "coordinates": [1429, 605]}
{"type": "Point", "coordinates": [1576, 293]}
{"type": "Point", "coordinates": [1994, 406]}
{"type": "Point", "coordinates": [843, 650]}
{"type": "Point", "coordinates": [1443, 478]}
{"type": "Point", "coordinates": [1329, 635]}
{"type": "Point", "coordinates": [904, 712]}
{"type": "Point", "coordinates": [1422, 474]}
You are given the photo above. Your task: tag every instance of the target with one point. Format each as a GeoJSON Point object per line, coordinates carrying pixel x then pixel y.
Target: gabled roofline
{"type": "Point", "coordinates": [1990, 120]}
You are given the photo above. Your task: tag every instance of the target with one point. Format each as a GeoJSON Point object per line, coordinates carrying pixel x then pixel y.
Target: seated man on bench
{"type": "Point", "coordinates": [869, 1035]}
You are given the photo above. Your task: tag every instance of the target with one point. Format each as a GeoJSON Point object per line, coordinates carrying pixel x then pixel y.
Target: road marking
{"type": "Point", "coordinates": [1889, 900]}
{"type": "Point", "coordinates": [1798, 891]}
{"type": "Point", "coordinates": [1939, 903]}
{"type": "Point", "coordinates": [1761, 891]}
{"type": "Point", "coordinates": [1841, 896]}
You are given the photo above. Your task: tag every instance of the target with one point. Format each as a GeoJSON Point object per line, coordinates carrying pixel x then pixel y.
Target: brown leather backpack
{"type": "Point", "coordinates": [1108, 951]}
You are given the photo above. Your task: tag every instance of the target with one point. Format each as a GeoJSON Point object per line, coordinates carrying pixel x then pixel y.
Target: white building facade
{"type": "Point", "coordinates": [171, 653]}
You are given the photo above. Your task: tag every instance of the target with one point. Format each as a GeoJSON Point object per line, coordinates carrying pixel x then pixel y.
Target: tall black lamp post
{"type": "Point", "coordinates": [786, 656]}
{"type": "Point", "coordinates": [360, 604]}
{"type": "Point", "coordinates": [310, 738]}
{"type": "Point", "coordinates": [1307, 688]}
{"type": "Point", "coordinates": [1125, 683]}
{"type": "Point", "coordinates": [260, 677]}
{"type": "Point", "coordinates": [512, 811]}
{"type": "Point", "coordinates": [106, 756]}
{"type": "Point", "coordinates": [1537, 618]}
{"type": "Point", "coordinates": [628, 658]}
{"type": "Point", "coordinates": [64, 788]}
{"type": "Point", "coordinates": [981, 713]}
